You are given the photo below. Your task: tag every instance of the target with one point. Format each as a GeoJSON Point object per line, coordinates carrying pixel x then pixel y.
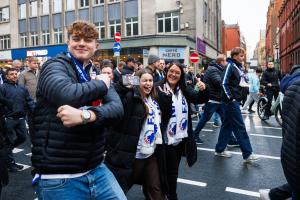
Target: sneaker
{"type": "Point", "coordinates": [216, 125]}
{"type": "Point", "coordinates": [225, 154]}
{"type": "Point", "coordinates": [251, 111]}
{"type": "Point", "coordinates": [245, 111]}
{"type": "Point", "coordinates": [199, 141]}
{"type": "Point", "coordinates": [252, 158]}
{"type": "Point", "coordinates": [233, 144]}
{"type": "Point", "coordinates": [264, 194]}
{"type": "Point", "coordinates": [15, 167]}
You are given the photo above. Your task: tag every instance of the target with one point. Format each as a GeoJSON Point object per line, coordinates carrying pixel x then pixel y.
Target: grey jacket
{"type": "Point", "coordinates": [29, 79]}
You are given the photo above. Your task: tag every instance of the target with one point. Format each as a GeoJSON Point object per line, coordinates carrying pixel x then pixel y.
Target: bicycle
{"type": "Point", "coordinates": [275, 108]}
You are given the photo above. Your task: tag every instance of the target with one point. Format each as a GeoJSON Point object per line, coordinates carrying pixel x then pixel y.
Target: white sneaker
{"type": "Point", "coordinates": [225, 154]}
{"type": "Point", "coordinates": [244, 111]}
{"type": "Point", "coordinates": [264, 194]}
{"type": "Point", "coordinates": [252, 158]}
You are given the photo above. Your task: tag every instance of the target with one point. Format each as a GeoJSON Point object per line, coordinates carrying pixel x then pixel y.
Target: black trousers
{"type": "Point", "coordinates": [271, 92]}
{"type": "Point", "coordinates": [15, 134]}
{"type": "Point", "coordinates": [281, 193]}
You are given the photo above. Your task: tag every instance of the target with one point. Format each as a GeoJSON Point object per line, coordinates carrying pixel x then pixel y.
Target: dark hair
{"type": "Point", "coordinates": [181, 83]}
{"type": "Point", "coordinates": [258, 70]}
{"type": "Point", "coordinates": [109, 65]}
{"type": "Point", "coordinates": [10, 70]}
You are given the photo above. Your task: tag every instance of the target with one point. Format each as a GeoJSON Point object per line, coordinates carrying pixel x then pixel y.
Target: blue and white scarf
{"type": "Point", "coordinates": [83, 77]}
{"type": "Point", "coordinates": [178, 124]}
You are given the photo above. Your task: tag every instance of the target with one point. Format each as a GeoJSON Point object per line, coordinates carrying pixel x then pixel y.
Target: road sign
{"type": "Point", "coordinates": [116, 53]}
{"type": "Point", "coordinates": [118, 37]}
{"type": "Point", "coordinates": [194, 57]}
{"type": "Point", "coordinates": [117, 47]}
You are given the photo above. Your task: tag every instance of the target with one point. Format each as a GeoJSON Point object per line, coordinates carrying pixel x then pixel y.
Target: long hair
{"type": "Point", "coordinates": [181, 83]}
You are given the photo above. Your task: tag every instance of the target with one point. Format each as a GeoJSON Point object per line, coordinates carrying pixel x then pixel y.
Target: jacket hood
{"type": "Point", "coordinates": [231, 60]}
{"type": "Point", "coordinates": [289, 79]}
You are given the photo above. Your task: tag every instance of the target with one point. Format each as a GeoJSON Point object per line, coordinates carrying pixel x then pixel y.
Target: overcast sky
{"type": "Point", "coordinates": [251, 15]}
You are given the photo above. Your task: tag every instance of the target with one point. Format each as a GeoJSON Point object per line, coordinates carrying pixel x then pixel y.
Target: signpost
{"type": "Point", "coordinates": [117, 46]}
{"type": "Point", "coordinates": [194, 58]}
{"type": "Point", "coordinates": [118, 37]}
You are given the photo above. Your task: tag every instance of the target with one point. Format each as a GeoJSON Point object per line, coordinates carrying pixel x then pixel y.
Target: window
{"type": "Point", "coordinates": [111, 1]}
{"type": "Point", "coordinates": [101, 28]}
{"type": "Point", "coordinates": [70, 4]}
{"type": "Point", "coordinates": [83, 3]}
{"type": "Point", "coordinates": [45, 7]}
{"type": "Point", "coordinates": [114, 26]}
{"type": "Point", "coordinates": [23, 40]}
{"type": "Point", "coordinates": [4, 14]}
{"type": "Point", "coordinates": [45, 37]}
{"type": "Point", "coordinates": [5, 42]}
{"type": "Point", "coordinates": [34, 39]}
{"type": "Point", "coordinates": [58, 36]}
{"type": "Point", "coordinates": [22, 11]}
{"type": "Point", "coordinates": [168, 22]}
{"type": "Point", "coordinates": [57, 6]}
{"type": "Point", "coordinates": [98, 2]}
{"type": "Point", "coordinates": [132, 26]}
{"type": "Point", "coordinates": [33, 9]}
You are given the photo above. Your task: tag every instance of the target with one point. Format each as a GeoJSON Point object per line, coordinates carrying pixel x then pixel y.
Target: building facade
{"type": "Point", "coordinates": [260, 50]}
{"type": "Point", "coordinates": [289, 28]}
{"type": "Point", "coordinates": [171, 29]}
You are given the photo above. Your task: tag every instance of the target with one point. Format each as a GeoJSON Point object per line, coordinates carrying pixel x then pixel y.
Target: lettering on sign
{"type": "Point", "coordinates": [43, 52]}
{"type": "Point", "coordinates": [171, 53]}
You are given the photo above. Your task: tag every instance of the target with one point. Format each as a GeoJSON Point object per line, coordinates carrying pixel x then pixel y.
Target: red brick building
{"type": "Point", "coordinates": [289, 23]}
{"type": "Point", "coordinates": [231, 37]}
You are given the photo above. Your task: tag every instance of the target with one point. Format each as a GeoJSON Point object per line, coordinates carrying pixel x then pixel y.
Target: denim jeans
{"type": "Point", "coordinates": [233, 122]}
{"type": "Point", "coordinates": [98, 184]}
{"type": "Point", "coordinates": [216, 119]}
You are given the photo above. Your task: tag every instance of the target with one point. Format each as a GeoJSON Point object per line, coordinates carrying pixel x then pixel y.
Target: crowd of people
{"type": "Point", "coordinates": [96, 129]}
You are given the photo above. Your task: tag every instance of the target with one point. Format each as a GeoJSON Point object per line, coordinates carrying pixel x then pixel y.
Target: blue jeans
{"type": "Point", "coordinates": [216, 118]}
{"type": "Point", "coordinates": [98, 184]}
{"type": "Point", "coordinates": [209, 110]}
{"type": "Point", "coordinates": [233, 122]}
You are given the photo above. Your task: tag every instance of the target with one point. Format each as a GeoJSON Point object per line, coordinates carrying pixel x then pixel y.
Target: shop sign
{"type": "Point", "coordinates": [42, 52]}
{"type": "Point", "coordinates": [145, 52]}
{"type": "Point", "coordinates": [5, 55]}
{"type": "Point", "coordinates": [170, 53]}
{"type": "Point", "coordinates": [201, 46]}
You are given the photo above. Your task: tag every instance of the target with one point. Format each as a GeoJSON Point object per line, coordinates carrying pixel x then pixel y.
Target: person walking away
{"type": "Point", "coordinates": [117, 72]}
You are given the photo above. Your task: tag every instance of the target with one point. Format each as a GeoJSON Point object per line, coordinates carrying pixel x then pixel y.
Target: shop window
{"type": "Point", "coordinates": [4, 14]}
{"type": "Point", "coordinates": [98, 2]}
{"type": "Point", "coordinates": [23, 40]}
{"type": "Point", "coordinates": [57, 6]}
{"type": "Point", "coordinates": [101, 28]}
{"type": "Point", "coordinates": [45, 7]}
{"type": "Point", "coordinates": [168, 22]}
{"type": "Point", "coordinates": [132, 26]}
{"type": "Point", "coordinates": [114, 26]}
{"type": "Point", "coordinates": [70, 5]}
{"type": "Point", "coordinates": [58, 36]}
{"type": "Point", "coordinates": [83, 3]}
{"type": "Point", "coordinates": [22, 11]}
{"type": "Point", "coordinates": [45, 37]}
{"type": "Point", "coordinates": [34, 39]}
{"type": "Point", "coordinates": [5, 42]}
{"type": "Point", "coordinates": [33, 8]}
{"type": "Point", "coordinates": [111, 1]}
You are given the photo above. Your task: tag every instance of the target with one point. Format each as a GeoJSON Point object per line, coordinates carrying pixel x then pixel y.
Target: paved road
{"type": "Point", "coordinates": [211, 178]}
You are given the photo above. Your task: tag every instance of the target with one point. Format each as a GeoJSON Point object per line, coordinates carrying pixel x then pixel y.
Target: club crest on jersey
{"type": "Point", "coordinates": [172, 129]}
{"type": "Point", "coordinates": [183, 124]}
{"type": "Point", "coordinates": [149, 137]}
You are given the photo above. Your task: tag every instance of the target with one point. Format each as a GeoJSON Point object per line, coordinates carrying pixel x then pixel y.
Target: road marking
{"type": "Point", "coordinates": [270, 127]}
{"type": "Point", "coordinates": [17, 150]}
{"type": "Point", "coordinates": [239, 153]}
{"type": "Point", "coordinates": [270, 136]}
{"type": "Point", "coordinates": [196, 183]}
{"type": "Point", "coordinates": [245, 192]}
{"type": "Point", "coordinates": [28, 154]}
{"type": "Point", "coordinates": [25, 166]}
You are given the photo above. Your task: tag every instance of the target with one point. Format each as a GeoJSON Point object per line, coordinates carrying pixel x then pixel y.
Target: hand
{"type": "Point", "coordinates": [165, 89]}
{"type": "Point", "coordinates": [269, 84]}
{"type": "Point", "coordinates": [104, 78]}
{"type": "Point", "coordinates": [189, 82]}
{"type": "Point", "coordinates": [70, 116]}
{"type": "Point", "coordinates": [201, 85]}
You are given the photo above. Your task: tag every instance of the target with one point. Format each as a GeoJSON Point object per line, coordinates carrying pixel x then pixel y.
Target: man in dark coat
{"type": "Point", "coordinates": [153, 65]}
{"type": "Point", "coordinates": [69, 139]}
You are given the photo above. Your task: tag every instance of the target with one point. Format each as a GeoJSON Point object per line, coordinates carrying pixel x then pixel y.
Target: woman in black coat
{"type": "Point", "coordinates": [177, 122]}
{"type": "Point", "coordinates": [133, 145]}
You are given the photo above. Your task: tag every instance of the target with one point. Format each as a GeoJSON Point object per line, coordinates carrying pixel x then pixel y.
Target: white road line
{"type": "Point", "coordinates": [239, 153]}
{"type": "Point", "coordinates": [17, 150]}
{"type": "Point", "coordinates": [245, 192]}
{"type": "Point", "coordinates": [25, 166]}
{"type": "Point", "coordinates": [28, 154]}
{"type": "Point", "coordinates": [196, 183]}
{"type": "Point", "coordinates": [270, 136]}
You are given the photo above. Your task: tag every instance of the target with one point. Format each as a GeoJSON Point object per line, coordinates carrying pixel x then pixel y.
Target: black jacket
{"type": "Point", "coordinates": [190, 77]}
{"type": "Point", "coordinates": [3, 169]}
{"type": "Point", "coordinates": [271, 75]}
{"type": "Point", "coordinates": [290, 151]}
{"type": "Point", "coordinates": [213, 77]}
{"type": "Point", "coordinates": [231, 80]}
{"type": "Point", "coordinates": [117, 76]}
{"type": "Point", "coordinates": [56, 148]}
{"type": "Point", "coordinates": [189, 145]}
{"type": "Point", "coordinates": [19, 99]}
{"type": "Point", "coordinates": [127, 70]}
{"type": "Point", "coordinates": [123, 139]}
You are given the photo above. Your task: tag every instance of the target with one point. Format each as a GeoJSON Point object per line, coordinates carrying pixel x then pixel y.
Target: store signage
{"type": "Point", "coordinates": [201, 46]}
{"type": "Point", "coordinates": [5, 55]}
{"type": "Point", "coordinates": [170, 53]}
{"type": "Point", "coordinates": [145, 52]}
{"type": "Point", "coordinates": [42, 52]}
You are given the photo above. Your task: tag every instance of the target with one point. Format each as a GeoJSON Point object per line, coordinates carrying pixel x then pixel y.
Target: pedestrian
{"type": "Point", "coordinates": [231, 97]}
{"type": "Point", "coordinates": [29, 77]}
{"type": "Point", "coordinates": [177, 122]}
{"type": "Point", "coordinates": [2, 76]}
{"type": "Point", "coordinates": [118, 72]}
{"type": "Point", "coordinates": [69, 141]}
{"type": "Point", "coordinates": [15, 127]}
{"type": "Point", "coordinates": [161, 69]}
{"type": "Point", "coordinates": [129, 68]}
{"type": "Point", "coordinates": [153, 65]}
{"type": "Point", "coordinates": [108, 69]}
{"type": "Point", "coordinates": [254, 81]}
{"type": "Point", "coordinates": [282, 192]}
{"type": "Point", "coordinates": [17, 64]}
{"type": "Point", "coordinates": [270, 80]}
{"type": "Point", "coordinates": [132, 153]}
